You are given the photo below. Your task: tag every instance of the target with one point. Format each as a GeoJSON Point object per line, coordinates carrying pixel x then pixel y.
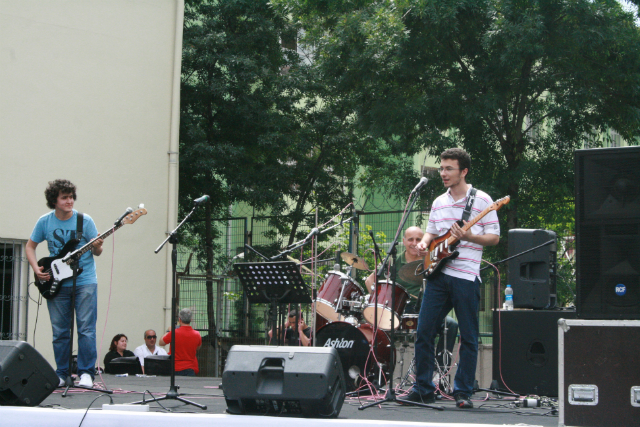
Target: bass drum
{"type": "Point", "coordinates": [353, 345]}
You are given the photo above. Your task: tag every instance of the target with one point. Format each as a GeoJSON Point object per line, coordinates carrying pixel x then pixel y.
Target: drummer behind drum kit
{"type": "Point", "coordinates": [351, 316]}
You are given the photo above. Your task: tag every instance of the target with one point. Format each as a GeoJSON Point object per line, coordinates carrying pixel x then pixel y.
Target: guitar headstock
{"type": "Point", "coordinates": [501, 202]}
{"type": "Point", "coordinates": [133, 216]}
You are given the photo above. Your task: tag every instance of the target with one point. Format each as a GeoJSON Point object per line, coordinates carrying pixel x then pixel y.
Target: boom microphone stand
{"type": "Point", "coordinates": [390, 395]}
{"type": "Point", "coordinates": [173, 394]}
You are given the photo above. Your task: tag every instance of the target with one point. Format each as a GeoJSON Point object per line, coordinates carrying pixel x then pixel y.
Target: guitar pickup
{"type": "Point", "coordinates": [57, 270]}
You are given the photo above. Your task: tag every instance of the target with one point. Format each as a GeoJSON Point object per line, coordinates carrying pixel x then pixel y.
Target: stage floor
{"type": "Point", "coordinates": [206, 391]}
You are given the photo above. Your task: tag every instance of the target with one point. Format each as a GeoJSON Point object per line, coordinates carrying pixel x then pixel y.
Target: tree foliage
{"type": "Point", "coordinates": [519, 84]}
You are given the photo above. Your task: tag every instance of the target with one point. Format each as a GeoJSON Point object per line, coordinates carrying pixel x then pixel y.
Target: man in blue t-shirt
{"type": "Point", "coordinates": [57, 228]}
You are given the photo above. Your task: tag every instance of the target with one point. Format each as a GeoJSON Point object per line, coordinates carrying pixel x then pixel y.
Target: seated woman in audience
{"type": "Point", "coordinates": [118, 348]}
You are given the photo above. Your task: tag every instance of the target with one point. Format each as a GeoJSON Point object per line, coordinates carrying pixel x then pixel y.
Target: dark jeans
{"type": "Point", "coordinates": [186, 373]}
{"type": "Point", "coordinates": [413, 307]}
{"type": "Point", "coordinates": [443, 293]}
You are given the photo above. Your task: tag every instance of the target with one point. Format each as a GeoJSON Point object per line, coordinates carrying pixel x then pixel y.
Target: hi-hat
{"type": "Point", "coordinates": [354, 260]}
{"type": "Point", "coordinates": [407, 273]}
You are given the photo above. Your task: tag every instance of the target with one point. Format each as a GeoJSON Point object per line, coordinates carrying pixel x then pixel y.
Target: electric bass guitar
{"type": "Point", "coordinates": [59, 267]}
{"type": "Point", "coordinates": [443, 248]}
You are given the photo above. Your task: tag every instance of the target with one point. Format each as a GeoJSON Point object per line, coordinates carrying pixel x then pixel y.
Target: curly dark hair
{"type": "Point", "coordinates": [57, 187]}
{"type": "Point", "coordinates": [115, 340]}
{"type": "Point", "coordinates": [463, 158]}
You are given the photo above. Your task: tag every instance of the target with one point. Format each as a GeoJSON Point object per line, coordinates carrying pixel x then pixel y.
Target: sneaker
{"type": "Point", "coordinates": [414, 396]}
{"type": "Point", "coordinates": [463, 401]}
{"type": "Point", "coordinates": [62, 382]}
{"type": "Point", "coordinates": [85, 380]}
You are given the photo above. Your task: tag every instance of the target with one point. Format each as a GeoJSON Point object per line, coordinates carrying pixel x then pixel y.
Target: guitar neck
{"type": "Point", "coordinates": [451, 240]}
{"type": "Point", "coordinates": [79, 252]}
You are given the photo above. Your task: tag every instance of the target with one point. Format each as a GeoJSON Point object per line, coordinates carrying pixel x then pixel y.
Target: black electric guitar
{"type": "Point", "coordinates": [59, 267]}
{"type": "Point", "coordinates": [442, 249]}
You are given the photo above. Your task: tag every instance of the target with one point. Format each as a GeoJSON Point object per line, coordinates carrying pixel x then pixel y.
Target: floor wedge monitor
{"type": "Point", "coordinates": [27, 378]}
{"type": "Point", "coordinates": [283, 381]}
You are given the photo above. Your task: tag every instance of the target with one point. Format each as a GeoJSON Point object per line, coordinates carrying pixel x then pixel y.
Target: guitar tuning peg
{"type": "Point", "coordinates": [141, 206]}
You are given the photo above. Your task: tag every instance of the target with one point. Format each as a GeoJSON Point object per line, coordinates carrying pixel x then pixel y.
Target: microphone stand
{"type": "Point", "coordinates": [390, 395]}
{"type": "Point", "coordinates": [173, 394]}
{"type": "Point", "coordinates": [69, 380]}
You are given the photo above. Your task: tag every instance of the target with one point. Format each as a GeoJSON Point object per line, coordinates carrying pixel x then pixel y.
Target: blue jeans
{"type": "Point", "coordinates": [443, 293]}
{"type": "Point", "coordinates": [86, 309]}
{"type": "Point", "coordinates": [186, 373]}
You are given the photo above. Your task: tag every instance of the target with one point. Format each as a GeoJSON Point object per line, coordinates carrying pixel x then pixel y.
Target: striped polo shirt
{"type": "Point", "coordinates": [444, 212]}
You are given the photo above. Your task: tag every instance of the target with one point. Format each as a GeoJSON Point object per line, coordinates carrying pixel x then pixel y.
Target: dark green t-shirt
{"type": "Point", "coordinates": [412, 288]}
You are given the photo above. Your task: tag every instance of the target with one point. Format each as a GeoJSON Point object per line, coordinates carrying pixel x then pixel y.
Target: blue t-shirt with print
{"type": "Point", "coordinates": [57, 233]}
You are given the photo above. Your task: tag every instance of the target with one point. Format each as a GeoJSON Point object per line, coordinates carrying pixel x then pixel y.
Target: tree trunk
{"type": "Point", "coordinates": [208, 239]}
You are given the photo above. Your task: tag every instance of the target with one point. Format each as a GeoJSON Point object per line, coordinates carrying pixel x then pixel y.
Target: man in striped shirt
{"type": "Point", "coordinates": [457, 285]}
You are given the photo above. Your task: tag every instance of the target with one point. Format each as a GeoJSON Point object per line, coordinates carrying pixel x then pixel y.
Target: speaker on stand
{"type": "Point", "coordinates": [608, 233]}
{"type": "Point", "coordinates": [532, 275]}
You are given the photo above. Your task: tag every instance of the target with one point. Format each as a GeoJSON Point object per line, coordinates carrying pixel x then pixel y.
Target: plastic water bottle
{"type": "Point", "coordinates": [508, 298]}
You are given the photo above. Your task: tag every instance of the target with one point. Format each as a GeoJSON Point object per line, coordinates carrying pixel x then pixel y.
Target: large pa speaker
{"type": "Point", "coordinates": [608, 233]}
{"type": "Point", "coordinates": [26, 379]}
{"type": "Point", "coordinates": [525, 350]}
{"type": "Point", "coordinates": [532, 275]}
{"type": "Point", "coordinates": [283, 381]}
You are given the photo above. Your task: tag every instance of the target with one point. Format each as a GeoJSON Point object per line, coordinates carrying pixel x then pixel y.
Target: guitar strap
{"type": "Point", "coordinates": [467, 209]}
{"type": "Point", "coordinates": [79, 227]}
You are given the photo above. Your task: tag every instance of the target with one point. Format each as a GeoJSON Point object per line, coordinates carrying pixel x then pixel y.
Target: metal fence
{"type": "Point", "coordinates": [238, 322]}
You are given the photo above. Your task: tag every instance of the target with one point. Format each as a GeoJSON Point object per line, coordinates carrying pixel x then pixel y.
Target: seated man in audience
{"type": "Point", "coordinates": [149, 348]}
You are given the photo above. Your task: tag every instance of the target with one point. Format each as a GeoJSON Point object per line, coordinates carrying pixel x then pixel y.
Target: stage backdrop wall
{"type": "Point", "coordinates": [90, 93]}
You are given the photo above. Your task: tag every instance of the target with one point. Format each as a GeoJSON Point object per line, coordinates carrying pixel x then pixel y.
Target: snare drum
{"type": "Point", "coordinates": [330, 292]}
{"type": "Point", "coordinates": [383, 300]}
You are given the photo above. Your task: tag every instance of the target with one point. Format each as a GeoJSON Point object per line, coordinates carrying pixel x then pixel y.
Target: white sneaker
{"type": "Point", "coordinates": [85, 380]}
{"type": "Point", "coordinates": [62, 382]}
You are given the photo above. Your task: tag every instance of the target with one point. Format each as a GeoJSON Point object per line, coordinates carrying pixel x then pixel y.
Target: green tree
{"type": "Point", "coordinates": [519, 84]}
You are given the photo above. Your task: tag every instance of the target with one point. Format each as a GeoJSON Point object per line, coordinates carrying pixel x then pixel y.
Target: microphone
{"type": "Point", "coordinates": [127, 212]}
{"type": "Point", "coordinates": [314, 232]}
{"type": "Point", "coordinates": [422, 183]}
{"type": "Point", "coordinates": [201, 200]}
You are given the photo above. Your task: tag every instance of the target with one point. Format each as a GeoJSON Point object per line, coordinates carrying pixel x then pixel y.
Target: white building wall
{"type": "Point", "coordinates": [89, 91]}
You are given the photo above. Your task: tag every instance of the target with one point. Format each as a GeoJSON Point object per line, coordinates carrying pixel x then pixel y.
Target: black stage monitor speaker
{"type": "Point", "coordinates": [525, 350]}
{"type": "Point", "coordinates": [533, 274]}
{"type": "Point", "coordinates": [608, 233]}
{"type": "Point", "coordinates": [124, 365]}
{"type": "Point", "coordinates": [157, 365]}
{"type": "Point", "coordinates": [26, 378]}
{"type": "Point", "coordinates": [283, 381]}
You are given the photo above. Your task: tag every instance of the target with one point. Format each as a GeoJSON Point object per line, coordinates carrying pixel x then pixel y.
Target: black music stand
{"type": "Point", "coordinates": [273, 283]}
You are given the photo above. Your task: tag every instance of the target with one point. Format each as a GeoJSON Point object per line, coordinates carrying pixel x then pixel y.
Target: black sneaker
{"type": "Point", "coordinates": [463, 401]}
{"type": "Point", "coordinates": [414, 396]}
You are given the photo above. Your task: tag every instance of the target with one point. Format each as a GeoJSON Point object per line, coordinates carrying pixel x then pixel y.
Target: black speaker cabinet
{"type": "Point", "coordinates": [157, 365]}
{"type": "Point", "coordinates": [608, 233]}
{"type": "Point", "coordinates": [533, 274]}
{"type": "Point", "coordinates": [283, 381]}
{"type": "Point", "coordinates": [26, 378]}
{"type": "Point", "coordinates": [525, 350]}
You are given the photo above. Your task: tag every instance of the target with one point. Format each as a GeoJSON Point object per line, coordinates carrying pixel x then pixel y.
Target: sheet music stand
{"type": "Point", "coordinates": [273, 283]}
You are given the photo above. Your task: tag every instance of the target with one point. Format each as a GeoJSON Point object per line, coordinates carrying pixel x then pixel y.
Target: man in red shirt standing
{"type": "Point", "coordinates": [187, 343]}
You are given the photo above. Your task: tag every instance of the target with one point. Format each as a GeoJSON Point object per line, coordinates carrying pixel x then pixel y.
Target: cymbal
{"type": "Point", "coordinates": [354, 260]}
{"type": "Point", "coordinates": [407, 273]}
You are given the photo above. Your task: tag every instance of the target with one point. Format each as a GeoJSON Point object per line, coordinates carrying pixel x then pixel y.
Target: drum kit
{"type": "Point", "coordinates": [346, 316]}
